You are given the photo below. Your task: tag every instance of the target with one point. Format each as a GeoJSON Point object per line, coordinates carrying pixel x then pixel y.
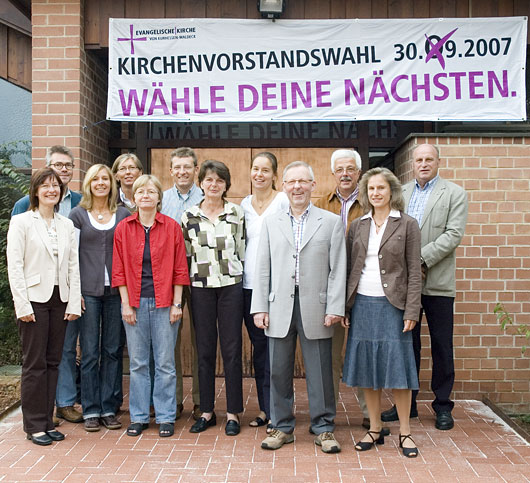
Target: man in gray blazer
{"type": "Point", "coordinates": [299, 290]}
{"type": "Point", "coordinates": [441, 210]}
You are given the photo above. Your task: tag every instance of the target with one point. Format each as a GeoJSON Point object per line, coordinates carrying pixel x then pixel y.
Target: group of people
{"type": "Point", "coordinates": [369, 257]}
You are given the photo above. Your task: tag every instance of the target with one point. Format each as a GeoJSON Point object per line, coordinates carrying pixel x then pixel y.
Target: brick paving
{"type": "Point", "coordinates": [479, 448]}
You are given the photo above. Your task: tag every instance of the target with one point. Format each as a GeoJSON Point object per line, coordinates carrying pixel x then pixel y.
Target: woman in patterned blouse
{"type": "Point", "coordinates": [215, 244]}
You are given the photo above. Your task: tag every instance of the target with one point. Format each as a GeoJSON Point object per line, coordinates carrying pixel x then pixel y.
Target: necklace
{"type": "Point", "coordinates": [265, 202]}
{"type": "Point", "coordinates": [99, 215]}
{"type": "Point", "coordinates": [377, 225]}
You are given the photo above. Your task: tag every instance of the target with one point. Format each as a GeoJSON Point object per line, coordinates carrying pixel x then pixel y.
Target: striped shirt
{"type": "Point", "coordinates": [346, 204]}
{"type": "Point", "coordinates": [419, 198]}
{"type": "Point", "coordinates": [298, 234]}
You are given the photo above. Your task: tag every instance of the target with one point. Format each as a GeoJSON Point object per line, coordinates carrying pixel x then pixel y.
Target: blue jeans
{"type": "Point", "coordinates": [152, 327]}
{"type": "Point", "coordinates": [100, 340]}
{"type": "Point", "coordinates": [66, 387]}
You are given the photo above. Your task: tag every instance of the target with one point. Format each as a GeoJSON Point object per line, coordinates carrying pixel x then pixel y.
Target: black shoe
{"type": "Point", "coordinates": [232, 428]}
{"type": "Point", "coordinates": [366, 425]}
{"type": "Point", "coordinates": [135, 429]}
{"type": "Point", "coordinates": [43, 440]}
{"type": "Point", "coordinates": [365, 445]}
{"type": "Point", "coordinates": [408, 452]}
{"type": "Point", "coordinates": [203, 424]}
{"type": "Point", "coordinates": [55, 435]}
{"type": "Point", "coordinates": [444, 421]}
{"type": "Point", "coordinates": [392, 415]}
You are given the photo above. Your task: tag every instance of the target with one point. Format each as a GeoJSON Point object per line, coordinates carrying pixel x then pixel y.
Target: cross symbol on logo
{"type": "Point", "coordinates": [131, 39]}
{"type": "Point", "coordinates": [436, 50]}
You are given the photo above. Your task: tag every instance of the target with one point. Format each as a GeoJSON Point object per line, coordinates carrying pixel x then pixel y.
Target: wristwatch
{"type": "Point", "coordinates": [179, 305]}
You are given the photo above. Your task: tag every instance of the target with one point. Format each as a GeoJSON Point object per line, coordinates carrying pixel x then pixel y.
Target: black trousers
{"type": "Point", "coordinates": [439, 313]}
{"type": "Point", "coordinates": [42, 348]}
{"type": "Point", "coordinates": [260, 356]}
{"type": "Point", "coordinates": [219, 311]}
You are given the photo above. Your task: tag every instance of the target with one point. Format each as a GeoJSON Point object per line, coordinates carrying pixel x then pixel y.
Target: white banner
{"type": "Point", "coordinates": [308, 70]}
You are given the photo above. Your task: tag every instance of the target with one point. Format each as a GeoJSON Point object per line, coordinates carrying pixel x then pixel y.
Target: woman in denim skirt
{"type": "Point", "coordinates": [383, 300]}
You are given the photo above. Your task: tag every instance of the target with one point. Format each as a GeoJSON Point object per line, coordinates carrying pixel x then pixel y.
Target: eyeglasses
{"type": "Point", "coordinates": [132, 169]}
{"type": "Point", "coordinates": [348, 170]}
{"type": "Point", "coordinates": [59, 166]}
{"type": "Point", "coordinates": [301, 182]}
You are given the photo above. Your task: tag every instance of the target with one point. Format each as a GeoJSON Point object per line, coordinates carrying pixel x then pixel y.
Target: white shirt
{"type": "Point", "coordinates": [370, 282]}
{"type": "Point", "coordinates": [253, 224]}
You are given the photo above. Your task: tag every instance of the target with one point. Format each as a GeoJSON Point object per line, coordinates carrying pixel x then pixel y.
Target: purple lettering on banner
{"type": "Point", "coordinates": [393, 88]}
{"type": "Point", "coordinates": [426, 87]}
{"type": "Point", "coordinates": [241, 92]}
{"type": "Point", "coordinates": [457, 76]}
{"type": "Point", "coordinates": [378, 85]}
{"type": "Point", "coordinates": [283, 93]}
{"type": "Point", "coordinates": [133, 97]}
{"type": "Point", "coordinates": [176, 100]}
{"type": "Point", "coordinates": [442, 87]}
{"type": "Point", "coordinates": [320, 93]}
{"type": "Point", "coordinates": [493, 79]}
{"type": "Point", "coordinates": [214, 99]}
{"type": "Point", "coordinates": [474, 85]}
{"type": "Point", "coordinates": [297, 91]}
{"type": "Point", "coordinates": [158, 101]}
{"type": "Point", "coordinates": [266, 96]}
{"type": "Point", "coordinates": [197, 101]}
{"type": "Point", "coordinates": [350, 89]}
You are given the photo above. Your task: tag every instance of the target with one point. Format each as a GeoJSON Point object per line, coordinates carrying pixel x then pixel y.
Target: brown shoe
{"type": "Point", "coordinates": [92, 425]}
{"type": "Point", "coordinates": [56, 421]}
{"type": "Point", "coordinates": [197, 413]}
{"type": "Point", "coordinates": [327, 442]}
{"type": "Point", "coordinates": [70, 413]}
{"type": "Point", "coordinates": [276, 439]}
{"type": "Point", "coordinates": [110, 422]}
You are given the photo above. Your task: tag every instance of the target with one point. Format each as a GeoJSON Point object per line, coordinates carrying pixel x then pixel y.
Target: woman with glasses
{"type": "Point", "coordinates": [43, 271]}
{"type": "Point", "coordinates": [95, 220]}
{"type": "Point", "coordinates": [149, 269]}
{"type": "Point", "coordinates": [127, 168]}
{"type": "Point", "coordinates": [214, 232]}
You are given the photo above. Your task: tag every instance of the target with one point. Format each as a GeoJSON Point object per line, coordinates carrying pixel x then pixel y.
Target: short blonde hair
{"type": "Point", "coordinates": [396, 195]}
{"type": "Point", "coordinates": [142, 181]}
{"type": "Point", "coordinates": [87, 201]}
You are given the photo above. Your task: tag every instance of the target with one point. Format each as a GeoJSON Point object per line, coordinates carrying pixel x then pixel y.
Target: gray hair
{"type": "Point", "coordinates": [396, 196]}
{"type": "Point", "coordinates": [346, 153]}
{"type": "Point", "coordinates": [296, 164]}
{"type": "Point", "coordinates": [58, 149]}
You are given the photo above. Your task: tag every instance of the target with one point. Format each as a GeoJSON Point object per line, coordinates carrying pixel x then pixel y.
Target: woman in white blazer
{"type": "Point", "coordinates": [43, 270]}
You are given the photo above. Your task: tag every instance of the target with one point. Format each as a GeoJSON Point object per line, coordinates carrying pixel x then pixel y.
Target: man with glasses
{"type": "Point", "coordinates": [299, 292]}
{"type": "Point", "coordinates": [61, 160]}
{"type": "Point", "coordinates": [176, 200]}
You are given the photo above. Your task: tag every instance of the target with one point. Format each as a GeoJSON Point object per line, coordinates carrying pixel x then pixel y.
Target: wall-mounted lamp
{"type": "Point", "coordinates": [271, 8]}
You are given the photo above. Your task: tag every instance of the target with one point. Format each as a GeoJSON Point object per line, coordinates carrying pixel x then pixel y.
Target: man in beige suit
{"type": "Point", "coordinates": [440, 207]}
{"type": "Point", "coordinates": [299, 291]}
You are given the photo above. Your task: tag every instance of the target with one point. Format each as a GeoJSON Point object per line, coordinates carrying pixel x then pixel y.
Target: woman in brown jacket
{"type": "Point", "coordinates": [383, 303]}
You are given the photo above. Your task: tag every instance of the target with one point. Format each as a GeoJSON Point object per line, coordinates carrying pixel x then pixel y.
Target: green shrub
{"type": "Point", "coordinates": [13, 185]}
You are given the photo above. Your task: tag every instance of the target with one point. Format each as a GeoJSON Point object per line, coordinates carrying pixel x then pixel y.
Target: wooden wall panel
{"type": "Point", "coordinates": [15, 57]}
{"type": "Point", "coordinates": [3, 51]}
{"type": "Point", "coordinates": [97, 12]}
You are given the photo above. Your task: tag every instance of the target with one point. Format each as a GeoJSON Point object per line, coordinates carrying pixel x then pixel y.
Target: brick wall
{"type": "Point", "coordinates": [493, 264]}
{"type": "Point", "coordinates": [69, 86]}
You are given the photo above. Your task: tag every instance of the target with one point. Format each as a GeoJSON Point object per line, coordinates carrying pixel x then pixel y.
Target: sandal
{"type": "Point", "coordinates": [408, 452]}
{"type": "Point", "coordinates": [135, 429]}
{"type": "Point", "coordinates": [366, 445]}
{"type": "Point", "coordinates": [257, 422]}
{"type": "Point", "coordinates": [166, 430]}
